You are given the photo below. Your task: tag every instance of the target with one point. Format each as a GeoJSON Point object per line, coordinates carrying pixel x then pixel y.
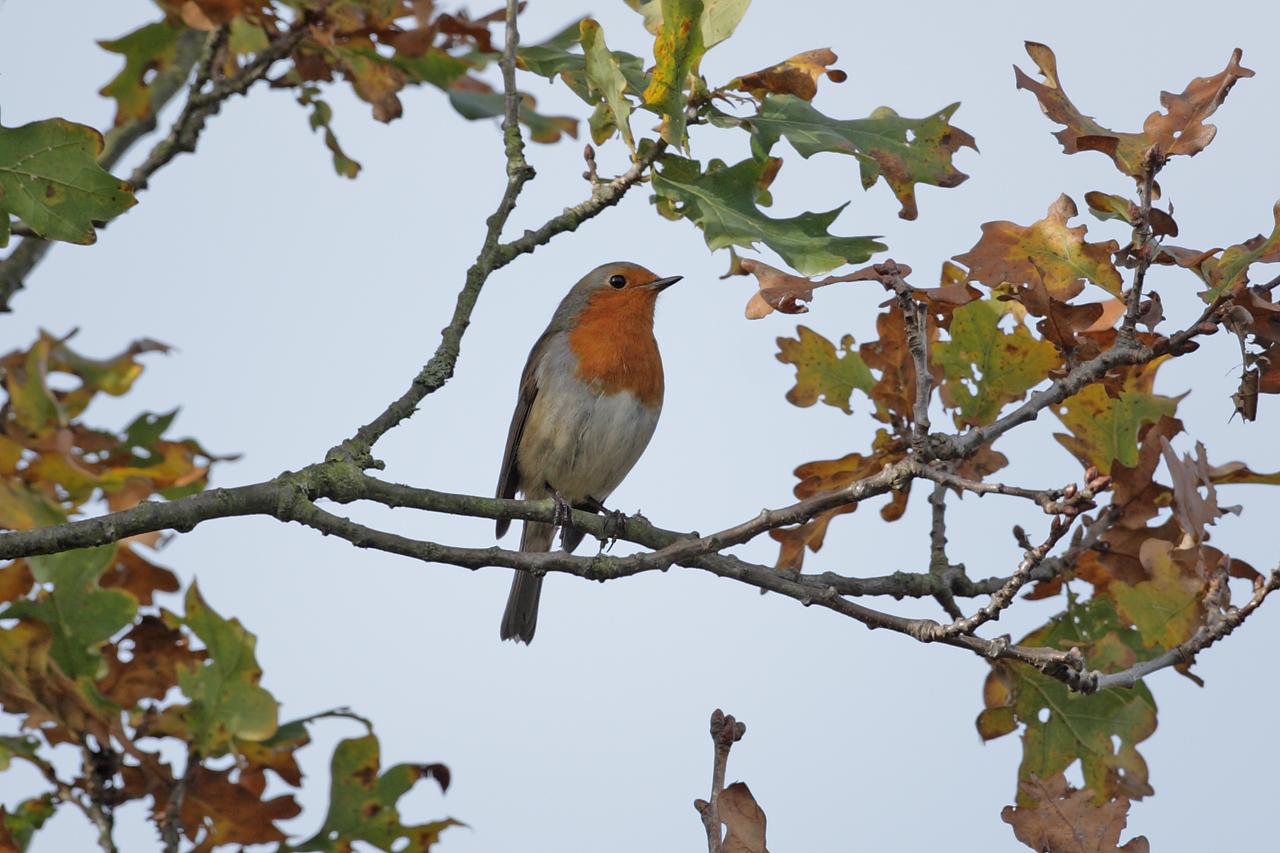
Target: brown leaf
{"type": "Point", "coordinates": [1179, 131]}
{"type": "Point", "coordinates": [783, 292]}
{"type": "Point", "coordinates": [1065, 820]}
{"type": "Point", "coordinates": [743, 819]}
{"type": "Point", "coordinates": [1194, 511]}
{"type": "Point", "coordinates": [1047, 251]}
{"type": "Point", "coordinates": [795, 76]}
{"type": "Point", "coordinates": [155, 652]}
{"type": "Point", "coordinates": [15, 580]}
{"type": "Point", "coordinates": [217, 811]}
{"type": "Point", "coordinates": [137, 576]}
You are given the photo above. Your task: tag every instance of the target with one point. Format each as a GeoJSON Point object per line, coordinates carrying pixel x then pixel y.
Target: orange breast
{"type": "Point", "coordinates": [614, 345]}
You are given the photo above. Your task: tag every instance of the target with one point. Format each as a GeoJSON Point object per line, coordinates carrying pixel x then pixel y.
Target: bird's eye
{"type": "Point", "coordinates": [617, 281]}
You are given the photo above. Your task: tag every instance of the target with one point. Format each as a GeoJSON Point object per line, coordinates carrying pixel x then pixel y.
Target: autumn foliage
{"type": "Point", "coordinates": [1053, 316]}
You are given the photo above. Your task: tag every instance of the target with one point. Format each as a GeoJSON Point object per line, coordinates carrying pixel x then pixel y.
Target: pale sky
{"type": "Point", "coordinates": [300, 303]}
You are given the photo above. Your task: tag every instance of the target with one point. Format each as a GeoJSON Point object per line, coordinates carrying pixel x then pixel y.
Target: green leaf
{"type": "Point", "coordinates": [362, 803]}
{"type": "Point", "coordinates": [18, 826]}
{"type": "Point", "coordinates": [1166, 608]}
{"type": "Point", "coordinates": [1231, 270]}
{"type": "Point", "coordinates": [606, 78]}
{"type": "Point", "coordinates": [719, 17]}
{"type": "Point", "coordinates": [322, 119]}
{"type": "Point", "coordinates": [226, 701]}
{"type": "Point", "coordinates": [542, 128]}
{"type": "Point", "coordinates": [1104, 428]}
{"type": "Point", "coordinates": [80, 614]}
{"type": "Point", "coordinates": [722, 201]}
{"type": "Point", "coordinates": [555, 61]}
{"type": "Point", "coordinates": [51, 180]}
{"type": "Point", "coordinates": [1077, 726]}
{"type": "Point", "coordinates": [151, 48]}
{"type": "Point", "coordinates": [903, 151]}
{"type": "Point", "coordinates": [1001, 367]}
{"type": "Point", "coordinates": [677, 50]}
{"type": "Point", "coordinates": [820, 372]}
{"type": "Point", "coordinates": [17, 746]}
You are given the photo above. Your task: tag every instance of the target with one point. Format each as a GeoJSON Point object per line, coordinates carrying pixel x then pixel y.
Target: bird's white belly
{"type": "Point", "coordinates": [581, 443]}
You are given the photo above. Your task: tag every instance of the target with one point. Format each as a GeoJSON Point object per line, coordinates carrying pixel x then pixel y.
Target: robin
{"type": "Point", "coordinates": [590, 397]}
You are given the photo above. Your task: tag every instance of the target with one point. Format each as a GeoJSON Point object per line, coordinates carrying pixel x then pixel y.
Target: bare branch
{"type": "Point", "coordinates": [939, 565]}
{"type": "Point", "coordinates": [725, 732]}
{"type": "Point", "coordinates": [1003, 597]}
{"type": "Point", "coordinates": [171, 820]}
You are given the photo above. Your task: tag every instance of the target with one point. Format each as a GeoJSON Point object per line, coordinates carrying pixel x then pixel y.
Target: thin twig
{"type": "Point", "coordinates": [1208, 634]}
{"type": "Point", "coordinates": [725, 732]}
{"type": "Point", "coordinates": [1003, 597]}
{"type": "Point", "coordinates": [939, 565]}
{"type": "Point", "coordinates": [1152, 161]}
{"type": "Point", "coordinates": [201, 105]}
{"type": "Point", "coordinates": [171, 821]}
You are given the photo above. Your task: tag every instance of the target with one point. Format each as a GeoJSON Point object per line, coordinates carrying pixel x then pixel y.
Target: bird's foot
{"type": "Point", "coordinates": [615, 523]}
{"type": "Point", "coordinates": [562, 517]}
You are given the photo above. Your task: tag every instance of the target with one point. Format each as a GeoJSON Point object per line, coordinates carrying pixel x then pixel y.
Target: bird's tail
{"type": "Point", "coordinates": [520, 619]}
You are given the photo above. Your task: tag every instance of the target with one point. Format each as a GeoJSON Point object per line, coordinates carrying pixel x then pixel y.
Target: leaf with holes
{"type": "Point", "coordinates": [1000, 367]}
{"type": "Point", "coordinates": [147, 50]}
{"type": "Point", "coordinates": [1061, 726]}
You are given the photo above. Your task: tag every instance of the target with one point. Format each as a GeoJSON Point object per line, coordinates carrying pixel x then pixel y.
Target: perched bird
{"type": "Point", "coordinates": [589, 400]}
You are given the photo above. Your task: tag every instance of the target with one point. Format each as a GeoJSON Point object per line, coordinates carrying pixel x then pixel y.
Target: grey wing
{"type": "Point", "coordinates": [509, 475]}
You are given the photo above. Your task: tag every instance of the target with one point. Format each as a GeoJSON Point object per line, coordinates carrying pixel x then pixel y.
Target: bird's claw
{"type": "Point", "coordinates": [562, 517]}
{"type": "Point", "coordinates": [615, 523]}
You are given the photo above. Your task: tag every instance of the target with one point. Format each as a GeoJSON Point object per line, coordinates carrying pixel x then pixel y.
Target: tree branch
{"type": "Point", "coordinates": [939, 565]}
{"type": "Point", "coordinates": [1152, 162]}
{"type": "Point", "coordinates": [725, 732]}
{"type": "Point", "coordinates": [201, 105]}
{"type": "Point", "coordinates": [116, 142]}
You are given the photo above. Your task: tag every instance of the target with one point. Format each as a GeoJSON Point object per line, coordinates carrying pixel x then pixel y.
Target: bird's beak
{"type": "Point", "coordinates": [661, 284]}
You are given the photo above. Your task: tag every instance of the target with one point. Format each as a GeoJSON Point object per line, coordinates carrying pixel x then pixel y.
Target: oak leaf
{"type": "Point", "coordinates": [903, 151]}
{"type": "Point", "coordinates": [50, 179]}
{"type": "Point", "coordinates": [1061, 726]}
{"type": "Point", "coordinates": [1166, 608]}
{"type": "Point", "coordinates": [821, 373]}
{"type": "Point", "coordinates": [795, 76]}
{"type": "Point", "coordinates": [362, 803]}
{"type": "Point", "coordinates": [1104, 426]}
{"type": "Point", "coordinates": [147, 50]}
{"type": "Point", "coordinates": [786, 293]}
{"type": "Point", "coordinates": [986, 367]}
{"type": "Point", "coordinates": [677, 49]}
{"type": "Point", "coordinates": [1180, 130]}
{"type": "Point", "coordinates": [1065, 820]}
{"type": "Point", "coordinates": [743, 819]}
{"type": "Point", "coordinates": [723, 201]}
{"type": "Point", "coordinates": [226, 701]}
{"type": "Point", "coordinates": [604, 74]}
{"type": "Point", "coordinates": [1047, 251]}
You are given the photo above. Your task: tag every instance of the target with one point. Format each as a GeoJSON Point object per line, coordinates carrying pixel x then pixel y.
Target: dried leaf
{"type": "Point", "coordinates": [1047, 251]}
{"type": "Point", "coordinates": [743, 819]}
{"type": "Point", "coordinates": [795, 76]}
{"type": "Point", "coordinates": [1065, 820]}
